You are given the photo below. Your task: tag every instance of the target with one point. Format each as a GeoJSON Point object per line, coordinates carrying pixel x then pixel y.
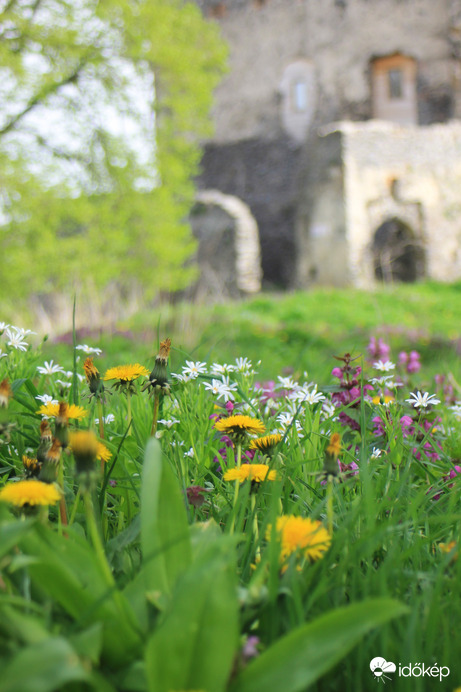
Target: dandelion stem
{"type": "Point", "coordinates": [62, 501]}
{"type": "Point", "coordinates": [237, 485]}
{"type": "Point", "coordinates": [128, 415]}
{"type": "Point", "coordinates": [101, 427]}
{"type": "Point", "coordinates": [155, 414]}
{"type": "Point", "coordinates": [330, 513]}
{"type": "Point", "coordinates": [255, 526]}
{"type": "Point", "coordinates": [74, 508]}
{"type": "Point", "coordinates": [101, 555]}
{"type": "Point", "coordinates": [96, 539]}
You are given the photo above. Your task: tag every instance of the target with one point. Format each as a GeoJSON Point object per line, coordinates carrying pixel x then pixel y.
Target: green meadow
{"type": "Point", "coordinates": [242, 510]}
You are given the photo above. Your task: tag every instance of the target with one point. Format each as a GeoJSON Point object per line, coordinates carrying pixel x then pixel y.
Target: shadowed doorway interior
{"type": "Point", "coordinates": [397, 254]}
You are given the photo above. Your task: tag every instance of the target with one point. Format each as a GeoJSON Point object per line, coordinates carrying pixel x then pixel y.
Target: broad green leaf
{"type": "Point", "coordinates": [68, 572]}
{"type": "Point", "coordinates": [194, 645]}
{"type": "Point", "coordinates": [164, 530]}
{"type": "Point", "coordinates": [88, 643]}
{"type": "Point", "coordinates": [125, 538]}
{"type": "Point", "coordinates": [308, 652]}
{"type": "Point", "coordinates": [134, 680]}
{"type": "Point", "coordinates": [11, 532]}
{"type": "Point", "coordinates": [19, 626]}
{"type": "Point", "coordinates": [43, 667]}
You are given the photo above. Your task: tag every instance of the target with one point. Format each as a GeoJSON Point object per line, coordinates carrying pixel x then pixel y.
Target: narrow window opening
{"type": "Point", "coordinates": [300, 97]}
{"type": "Point", "coordinates": [395, 84]}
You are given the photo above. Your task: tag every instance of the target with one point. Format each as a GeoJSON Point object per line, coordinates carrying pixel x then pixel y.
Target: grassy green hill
{"type": "Point", "coordinates": [297, 331]}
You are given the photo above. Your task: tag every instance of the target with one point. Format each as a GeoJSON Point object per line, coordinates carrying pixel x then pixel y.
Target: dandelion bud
{"type": "Point", "coordinates": [46, 438]}
{"type": "Point", "coordinates": [330, 462]}
{"type": "Point", "coordinates": [159, 375]}
{"type": "Point", "coordinates": [84, 446]}
{"type": "Point", "coordinates": [49, 470]}
{"type": "Point", "coordinates": [61, 430]}
{"type": "Point", "coordinates": [5, 393]}
{"type": "Point", "coordinates": [93, 377]}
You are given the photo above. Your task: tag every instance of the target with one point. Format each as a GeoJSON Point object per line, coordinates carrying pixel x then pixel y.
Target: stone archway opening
{"type": "Point", "coordinates": [397, 253]}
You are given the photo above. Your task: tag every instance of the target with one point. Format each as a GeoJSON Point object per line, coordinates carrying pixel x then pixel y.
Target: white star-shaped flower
{"type": "Point", "coordinates": [218, 369]}
{"type": "Point", "coordinates": [46, 399]}
{"type": "Point", "coordinates": [49, 368]}
{"type": "Point", "coordinates": [89, 350]}
{"type": "Point", "coordinates": [193, 370]}
{"type": "Point", "coordinates": [422, 400]}
{"type": "Point", "coordinates": [15, 339]}
{"type": "Point", "coordinates": [384, 366]}
{"type": "Point", "coordinates": [286, 383]}
{"type": "Point", "coordinates": [244, 365]}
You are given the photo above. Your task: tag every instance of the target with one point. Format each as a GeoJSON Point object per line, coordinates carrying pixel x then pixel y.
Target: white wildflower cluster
{"type": "Point", "coordinates": [288, 421]}
{"type": "Point", "coordinates": [52, 368]}
{"type": "Point", "coordinates": [88, 350]}
{"type": "Point", "coordinates": [220, 385]}
{"type": "Point", "coordinates": [110, 418]}
{"type": "Point", "coordinates": [222, 389]}
{"type": "Point", "coordinates": [168, 423]}
{"type": "Point", "coordinates": [14, 337]}
{"type": "Point", "coordinates": [385, 381]}
{"type": "Point", "coordinates": [456, 409]}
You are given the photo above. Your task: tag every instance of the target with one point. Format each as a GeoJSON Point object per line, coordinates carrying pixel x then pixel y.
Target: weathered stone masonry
{"type": "Point", "coordinates": [320, 199]}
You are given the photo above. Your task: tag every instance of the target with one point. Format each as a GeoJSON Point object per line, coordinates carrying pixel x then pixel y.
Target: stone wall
{"type": "Point", "coordinates": [266, 176]}
{"type": "Point", "coordinates": [408, 174]}
{"type": "Point", "coordinates": [297, 65]}
{"type": "Point", "coordinates": [340, 38]}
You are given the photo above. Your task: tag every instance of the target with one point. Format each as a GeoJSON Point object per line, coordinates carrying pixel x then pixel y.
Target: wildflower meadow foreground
{"type": "Point", "coordinates": [193, 528]}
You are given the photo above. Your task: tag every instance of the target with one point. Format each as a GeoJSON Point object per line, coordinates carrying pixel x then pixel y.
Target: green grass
{"type": "Point", "coordinates": [143, 591]}
{"type": "Point", "coordinates": [297, 331]}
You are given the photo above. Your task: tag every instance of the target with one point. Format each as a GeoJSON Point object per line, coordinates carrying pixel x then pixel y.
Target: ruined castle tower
{"type": "Point", "coordinates": [321, 193]}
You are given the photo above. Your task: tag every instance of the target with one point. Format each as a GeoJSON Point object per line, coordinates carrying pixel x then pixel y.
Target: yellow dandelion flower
{"type": "Point", "coordinates": [126, 373]}
{"type": "Point", "coordinates": [52, 410]}
{"type": "Point", "coordinates": [266, 443]}
{"type": "Point", "coordinates": [383, 400]}
{"type": "Point", "coordinates": [240, 425]}
{"type": "Point", "coordinates": [447, 548]}
{"type": "Point", "coordinates": [31, 466]}
{"type": "Point", "coordinates": [251, 472]}
{"type": "Point", "coordinates": [103, 454]}
{"type": "Point", "coordinates": [31, 492]}
{"type": "Point", "coordinates": [308, 537]}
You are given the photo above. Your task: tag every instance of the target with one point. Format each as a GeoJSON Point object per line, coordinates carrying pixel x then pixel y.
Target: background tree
{"type": "Point", "coordinates": [103, 105]}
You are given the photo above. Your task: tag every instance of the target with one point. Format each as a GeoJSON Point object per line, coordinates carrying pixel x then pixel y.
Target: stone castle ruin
{"type": "Point", "coordinates": [338, 126]}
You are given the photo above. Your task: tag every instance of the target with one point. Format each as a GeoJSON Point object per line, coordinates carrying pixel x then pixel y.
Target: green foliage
{"type": "Point", "coordinates": [301, 657]}
{"type": "Point", "coordinates": [301, 330]}
{"type": "Point", "coordinates": [128, 88]}
{"type": "Point", "coordinates": [166, 569]}
{"type": "Point", "coordinates": [164, 529]}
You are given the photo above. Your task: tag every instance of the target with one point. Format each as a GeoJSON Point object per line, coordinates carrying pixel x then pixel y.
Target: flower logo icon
{"type": "Point", "coordinates": [380, 667]}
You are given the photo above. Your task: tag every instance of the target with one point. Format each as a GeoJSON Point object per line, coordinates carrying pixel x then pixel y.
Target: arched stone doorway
{"type": "Point", "coordinates": [397, 254]}
{"type": "Point", "coordinates": [228, 252]}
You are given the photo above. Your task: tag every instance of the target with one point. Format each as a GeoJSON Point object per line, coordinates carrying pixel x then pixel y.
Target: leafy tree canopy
{"type": "Point", "coordinates": [102, 106]}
